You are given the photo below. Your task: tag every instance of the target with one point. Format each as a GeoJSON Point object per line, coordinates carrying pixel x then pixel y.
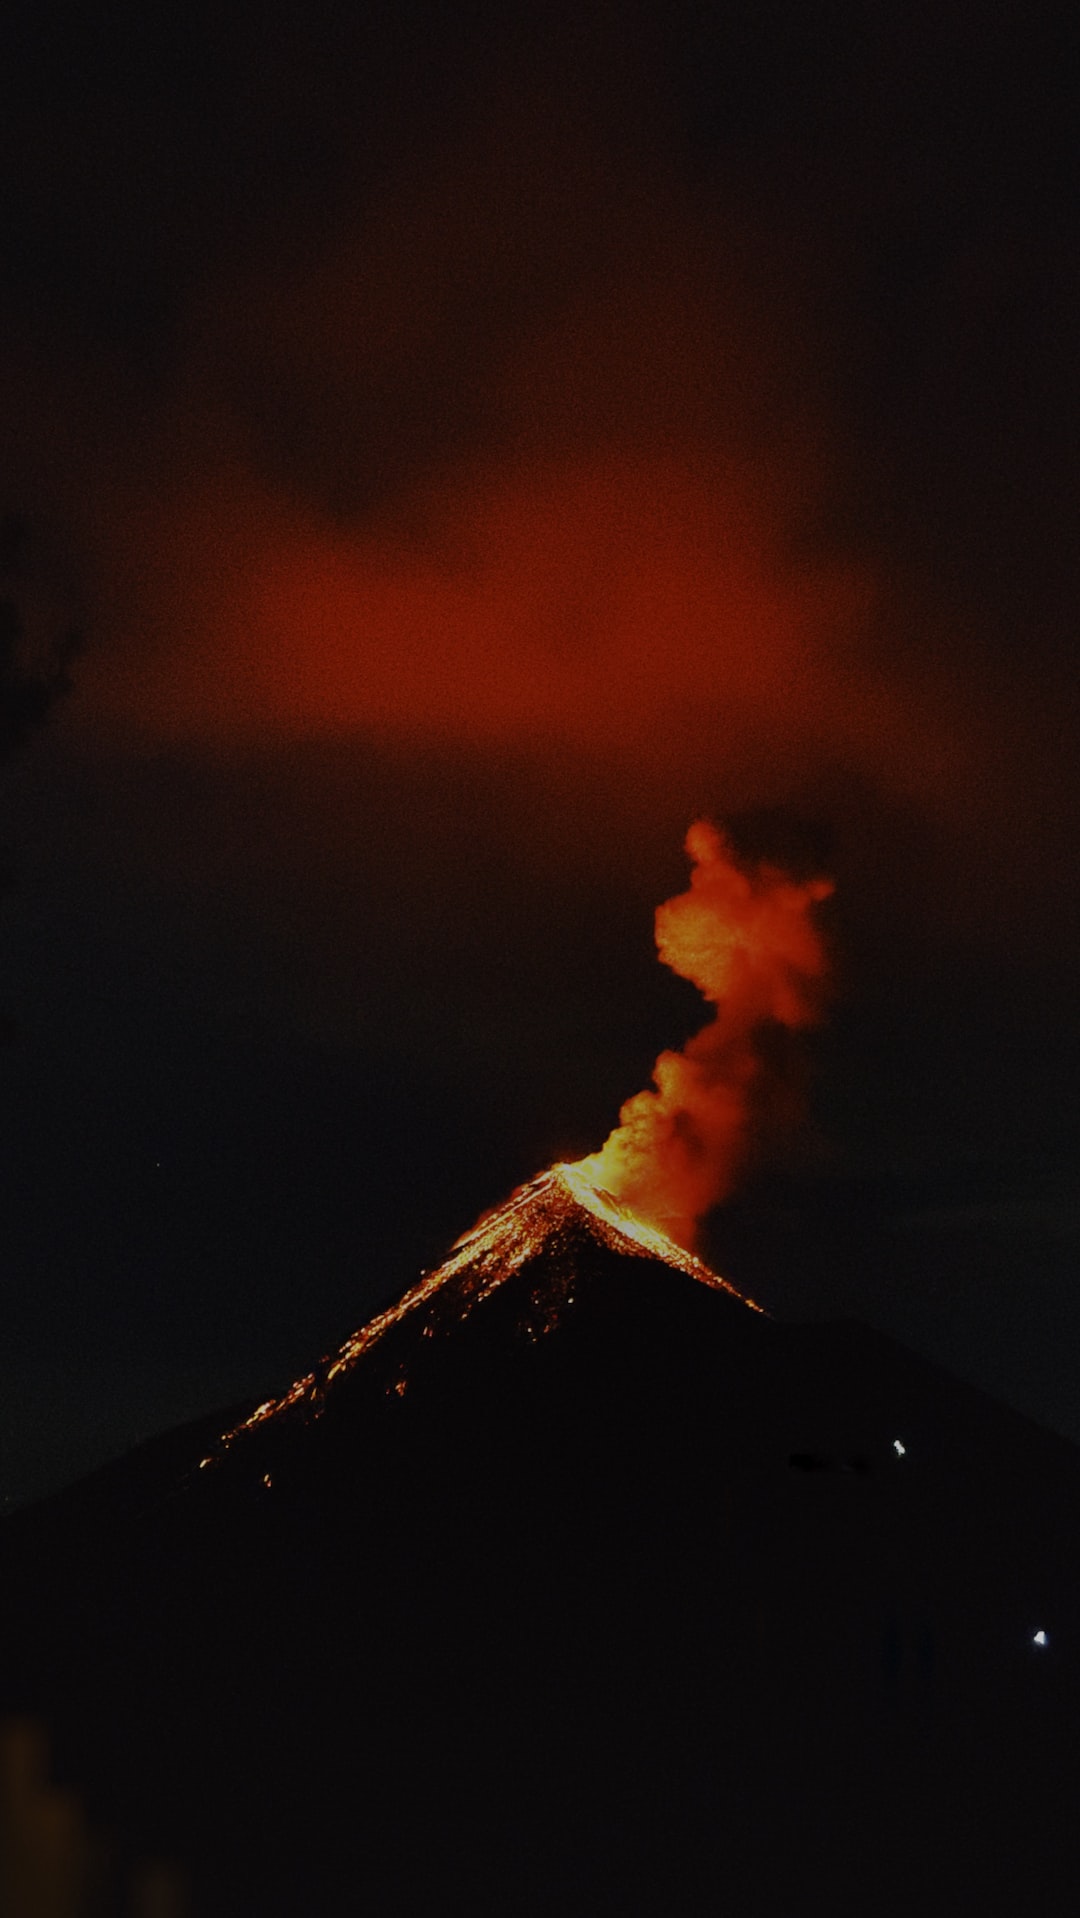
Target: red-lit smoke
{"type": "Point", "coordinates": [748, 941]}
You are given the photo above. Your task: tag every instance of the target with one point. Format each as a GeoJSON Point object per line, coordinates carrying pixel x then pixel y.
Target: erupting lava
{"type": "Point", "coordinates": [747, 941]}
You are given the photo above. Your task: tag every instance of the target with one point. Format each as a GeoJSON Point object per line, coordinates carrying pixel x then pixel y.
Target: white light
{"type": "Point", "coordinates": [1040, 1638]}
{"type": "Point", "coordinates": [898, 1448]}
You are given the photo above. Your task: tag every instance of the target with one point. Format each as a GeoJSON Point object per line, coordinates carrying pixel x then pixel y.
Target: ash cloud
{"type": "Point", "coordinates": [501, 470]}
{"type": "Point", "coordinates": [746, 939]}
{"type": "Point", "coordinates": [521, 395]}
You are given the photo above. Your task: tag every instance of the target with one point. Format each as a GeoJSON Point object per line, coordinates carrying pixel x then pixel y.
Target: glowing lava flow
{"type": "Point", "coordinates": [543, 1218]}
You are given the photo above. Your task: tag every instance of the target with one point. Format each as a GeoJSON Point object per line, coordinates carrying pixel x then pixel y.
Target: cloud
{"type": "Point", "coordinates": [517, 455]}
{"type": "Point", "coordinates": [516, 438]}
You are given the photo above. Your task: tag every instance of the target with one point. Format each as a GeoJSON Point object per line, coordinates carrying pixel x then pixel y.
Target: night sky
{"type": "Point", "coordinates": [469, 445]}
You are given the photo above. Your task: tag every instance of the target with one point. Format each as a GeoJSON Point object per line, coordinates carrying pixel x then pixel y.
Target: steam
{"type": "Point", "coordinates": [747, 940]}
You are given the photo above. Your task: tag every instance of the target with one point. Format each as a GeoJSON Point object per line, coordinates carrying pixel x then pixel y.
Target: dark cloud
{"type": "Point", "coordinates": [36, 648]}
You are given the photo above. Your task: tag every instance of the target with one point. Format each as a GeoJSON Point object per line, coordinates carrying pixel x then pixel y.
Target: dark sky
{"type": "Point", "coordinates": [472, 443]}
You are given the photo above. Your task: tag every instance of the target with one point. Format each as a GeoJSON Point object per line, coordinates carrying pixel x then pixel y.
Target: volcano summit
{"type": "Point", "coordinates": [574, 1584]}
{"type": "Point", "coordinates": [538, 1244]}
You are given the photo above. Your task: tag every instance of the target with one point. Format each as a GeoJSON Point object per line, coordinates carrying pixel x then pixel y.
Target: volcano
{"type": "Point", "coordinates": [529, 1255]}
{"type": "Point", "coordinates": [574, 1583]}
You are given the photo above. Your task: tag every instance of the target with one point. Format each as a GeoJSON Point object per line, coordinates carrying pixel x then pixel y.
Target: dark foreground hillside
{"type": "Point", "coordinates": [631, 1606]}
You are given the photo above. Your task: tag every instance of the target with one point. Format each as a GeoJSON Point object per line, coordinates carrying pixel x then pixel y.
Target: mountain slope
{"type": "Point", "coordinates": [530, 1252]}
{"type": "Point", "coordinates": [573, 1585]}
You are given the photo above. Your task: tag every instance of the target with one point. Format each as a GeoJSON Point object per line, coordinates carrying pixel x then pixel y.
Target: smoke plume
{"type": "Point", "coordinates": [747, 940]}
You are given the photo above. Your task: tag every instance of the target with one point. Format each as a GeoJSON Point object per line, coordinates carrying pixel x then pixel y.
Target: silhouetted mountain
{"type": "Point", "coordinates": [574, 1585]}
